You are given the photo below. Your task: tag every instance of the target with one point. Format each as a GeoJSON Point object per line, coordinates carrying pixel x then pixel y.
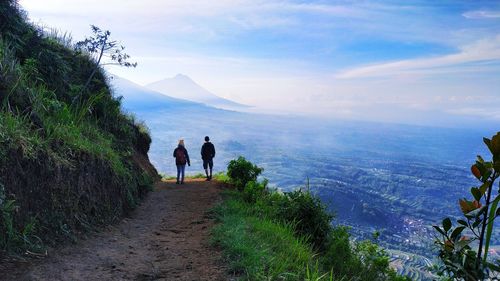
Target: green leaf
{"type": "Point", "coordinates": [439, 229]}
{"type": "Point", "coordinates": [484, 187]}
{"type": "Point", "coordinates": [476, 193]}
{"type": "Point", "coordinates": [489, 227]}
{"type": "Point", "coordinates": [493, 266]}
{"type": "Point", "coordinates": [462, 222]}
{"type": "Point", "coordinates": [476, 223]}
{"type": "Point", "coordinates": [476, 213]}
{"type": "Point", "coordinates": [488, 144]}
{"type": "Point", "coordinates": [455, 234]}
{"type": "Point", "coordinates": [495, 144]}
{"type": "Point", "coordinates": [446, 224]}
{"type": "Point", "coordinates": [496, 166]}
{"type": "Point", "coordinates": [486, 175]}
{"type": "Point", "coordinates": [480, 159]}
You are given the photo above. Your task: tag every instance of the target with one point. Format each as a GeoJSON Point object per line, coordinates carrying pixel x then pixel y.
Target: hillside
{"type": "Point", "coordinates": [70, 159]}
{"type": "Point", "coordinates": [183, 87]}
{"type": "Point", "coordinates": [137, 99]}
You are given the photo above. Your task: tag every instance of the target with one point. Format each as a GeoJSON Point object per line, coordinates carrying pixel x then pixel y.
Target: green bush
{"type": "Point", "coordinates": [308, 213]}
{"type": "Point", "coordinates": [254, 251]}
{"type": "Point", "coordinates": [241, 171]}
{"type": "Point", "coordinates": [253, 190]}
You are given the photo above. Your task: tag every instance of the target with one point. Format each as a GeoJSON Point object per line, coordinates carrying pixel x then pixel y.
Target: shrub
{"type": "Point", "coordinates": [338, 251]}
{"type": "Point", "coordinates": [242, 171]}
{"type": "Point", "coordinates": [308, 213]}
{"type": "Point", "coordinates": [334, 257]}
{"type": "Point", "coordinates": [254, 190]}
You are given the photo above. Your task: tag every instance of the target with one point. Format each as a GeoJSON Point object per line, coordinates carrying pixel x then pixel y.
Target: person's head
{"type": "Point", "coordinates": [207, 138]}
{"type": "Point", "coordinates": [181, 142]}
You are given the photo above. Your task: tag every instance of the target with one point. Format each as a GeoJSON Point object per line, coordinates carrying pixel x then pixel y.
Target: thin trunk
{"type": "Point", "coordinates": [483, 228]}
{"type": "Point", "coordinates": [95, 68]}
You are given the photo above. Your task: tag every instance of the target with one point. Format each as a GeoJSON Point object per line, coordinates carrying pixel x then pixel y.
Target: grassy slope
{"type": "Point", "coordinates": [69, 157]}
{"type": "Point", "coordinates": [259, 248]}
{"type": "Point", "coordinates": [267, 235]}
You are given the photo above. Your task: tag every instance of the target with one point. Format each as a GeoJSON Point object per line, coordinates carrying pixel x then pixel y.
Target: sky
{"type": "Point", "coordinates": [418, 62]}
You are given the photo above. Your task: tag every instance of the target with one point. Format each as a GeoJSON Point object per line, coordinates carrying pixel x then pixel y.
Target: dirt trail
{"type": "Point", "coordinates": [166, 238]}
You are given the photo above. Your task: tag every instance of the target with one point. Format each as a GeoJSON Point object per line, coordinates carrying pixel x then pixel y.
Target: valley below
{"type": "Point", "coordinates": [396, 180]}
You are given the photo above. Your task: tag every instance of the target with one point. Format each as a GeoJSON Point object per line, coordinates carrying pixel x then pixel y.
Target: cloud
{"type": "Point", "coordinates": [477, 54]}
{"type": "Point", "coordinates": [482, 14]}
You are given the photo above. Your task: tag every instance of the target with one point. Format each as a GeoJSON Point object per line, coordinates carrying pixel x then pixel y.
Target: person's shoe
{"type": "Point", "coordinates": [182, 182]}
{"type": "Point", "coordinates": [177, 182]}
{"type": "Point", "coordinates": [207, 179]}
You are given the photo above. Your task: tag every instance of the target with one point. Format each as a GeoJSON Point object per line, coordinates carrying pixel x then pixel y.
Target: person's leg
{"type": "Point", "coordinates": [183, 168]}
{"type": "Point", "coordinates": [211, 164]}
{"type": "Point", "coordinates": [178, 173]}
{"type": "Point", "coordinates": [205, 166]}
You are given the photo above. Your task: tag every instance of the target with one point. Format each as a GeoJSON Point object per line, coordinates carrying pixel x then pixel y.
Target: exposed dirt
{"type": "Point", "coordinates": [166, 238]}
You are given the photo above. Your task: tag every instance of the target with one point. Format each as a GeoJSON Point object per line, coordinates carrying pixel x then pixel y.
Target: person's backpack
{"type": "Point", "coordinates": [180, 156]}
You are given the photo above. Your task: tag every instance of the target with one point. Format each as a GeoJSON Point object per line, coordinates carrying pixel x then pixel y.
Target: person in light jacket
{"type": "Point", "coordinates": [181, 158]}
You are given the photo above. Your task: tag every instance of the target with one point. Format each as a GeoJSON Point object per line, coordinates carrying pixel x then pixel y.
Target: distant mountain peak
{"type": "Point", "coordinates": [183, 87]}
{"type": "Point", "coordinates": [181, 76]}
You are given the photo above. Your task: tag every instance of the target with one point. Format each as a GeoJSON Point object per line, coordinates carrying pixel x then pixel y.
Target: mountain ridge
{"type": "Point", "coordinates": [183, 87]}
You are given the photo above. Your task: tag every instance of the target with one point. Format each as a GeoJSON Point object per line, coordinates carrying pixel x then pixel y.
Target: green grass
{"type": "Point", "coordinates": [269, 235]}
{"type": "Point", "coordinates": [221, 177]}
{"type": "Point", "coordinates": [15, 133]}
{"type": "Point", "coordinates": [45, 112]}
{"type": "Point", "coordinates": [259, 249]}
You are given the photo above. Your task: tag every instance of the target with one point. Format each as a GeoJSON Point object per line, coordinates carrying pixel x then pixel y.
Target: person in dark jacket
{"type": "Point", "coordinates": [208, 154]}
{"type": "Point", "coordinates": [181, 158]}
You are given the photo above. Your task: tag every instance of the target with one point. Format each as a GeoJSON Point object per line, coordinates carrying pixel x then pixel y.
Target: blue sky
{"type": "Point", "coordinates": [422, 62]}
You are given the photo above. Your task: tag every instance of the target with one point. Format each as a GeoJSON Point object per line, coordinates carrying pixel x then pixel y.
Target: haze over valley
{"type": "Point", "coordinates": [393, 178]}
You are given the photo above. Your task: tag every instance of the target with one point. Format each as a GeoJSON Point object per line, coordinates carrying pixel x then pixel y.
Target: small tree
{"type": "Point", "coordinates": [465, 257]}
{"type": "Point", "coordinates": [242, 171]}
{"type": "Point", "coordinates": [99, 47]}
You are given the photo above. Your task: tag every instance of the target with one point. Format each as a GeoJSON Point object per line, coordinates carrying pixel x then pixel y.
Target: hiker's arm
{"type": "Point", "coordinates": [213, 151]}
{"type": "Point", "coordinates": [187, 157]}
{"type": "Point", "coordinates": [174, 152]}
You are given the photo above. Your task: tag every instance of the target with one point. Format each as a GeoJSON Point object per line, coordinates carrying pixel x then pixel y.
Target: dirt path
{"type": "Point", "coordinates": [166, 238]}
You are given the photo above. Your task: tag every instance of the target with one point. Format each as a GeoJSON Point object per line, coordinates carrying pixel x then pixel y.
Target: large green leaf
{"type": "Point", "coordinates": [476, 193]}
{"type": "Point", "coordinates": [438, 229]}
{"type": "Point", "coordinates": [489, 228]}
{"type": "Point", "coordinates": [446, 224]}
{"type": "Point", "coordinates": [484, 187]}
{"type": "Point", "coordinates": [495, 144]}
{"type": "Point", "coordinates": [456, 233]}
{"type": "Point", "coordinates": [488, 144]}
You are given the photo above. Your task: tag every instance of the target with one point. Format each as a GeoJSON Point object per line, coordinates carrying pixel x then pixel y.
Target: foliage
{"type": "Point", "coordinates": [253, 191]}
{"type": "Point", "coordinates": [241, 171]}
{"type": "Point", "coordinates": [463, 249]}
{"type": "Point", "coordinates": [259, 249]}
{"type": "Point", "coordinates": [222, 177]}
{"type": "Point", "coordinates": [100, 46]}
{"type": "Point", "coordinates": [295, 218]}
{"type": "Point", "coordinates": [53, 114]}
{"type": "Point", "coordinates": [11, 238]}
{"type": "Point", "coordinates": [308, 213]}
